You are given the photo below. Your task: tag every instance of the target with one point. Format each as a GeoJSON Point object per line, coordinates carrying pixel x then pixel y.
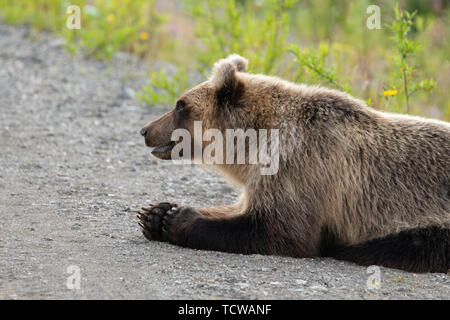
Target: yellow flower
{"type": "Point", "coordinates": [388, 93]}
{"type": "Point", "coordinates": [143, 35]}
{"type": "Point", "coordinates": [111, 18]}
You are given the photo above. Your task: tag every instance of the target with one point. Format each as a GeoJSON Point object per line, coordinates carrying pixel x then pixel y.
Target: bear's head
{"type": "Point", "coordinates": [227, 100]}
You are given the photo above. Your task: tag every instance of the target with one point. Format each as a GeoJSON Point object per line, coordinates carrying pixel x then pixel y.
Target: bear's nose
{"type": "Point", "coordinates": [143, 132]}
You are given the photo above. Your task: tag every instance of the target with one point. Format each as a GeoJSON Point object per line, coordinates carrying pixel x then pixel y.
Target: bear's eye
{"type": "Point", "coordinates": [180, 105]}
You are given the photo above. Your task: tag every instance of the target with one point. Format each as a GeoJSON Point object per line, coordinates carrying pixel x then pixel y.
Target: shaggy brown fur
{"type": "Point", "coordinates": [353, 183]}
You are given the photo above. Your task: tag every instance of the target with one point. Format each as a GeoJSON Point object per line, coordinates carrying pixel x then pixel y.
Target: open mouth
{"type": "Point", "coordinates": [164, 150]}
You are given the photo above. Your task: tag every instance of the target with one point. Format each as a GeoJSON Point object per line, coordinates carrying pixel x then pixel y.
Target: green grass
{"type": "Point", "coordinates": [106, 26]}
{"type": "Point", "coordinates": [403, 67]}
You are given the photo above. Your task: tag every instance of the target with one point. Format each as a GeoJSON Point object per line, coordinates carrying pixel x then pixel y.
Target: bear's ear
{"type": "Point", "coordinates": [224, 79]}
{"type": "Point", "coordinates": [240, 62]}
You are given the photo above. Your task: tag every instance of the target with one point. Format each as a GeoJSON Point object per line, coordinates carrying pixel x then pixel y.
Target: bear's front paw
{"type": "Point", "coordinates": [177, 223]}
{"type": "Point", "coordinates": [151, 220]}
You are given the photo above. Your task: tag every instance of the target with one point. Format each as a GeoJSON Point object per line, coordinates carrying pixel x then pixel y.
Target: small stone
{"type": "Point", "coordinates": [127, 93]}
{"type": "Point", "coordinates": [318, 288]}
{"type": "Point", "coordinates": [58, 42]}
{"type": "Point", "coordinates": [242, 285]}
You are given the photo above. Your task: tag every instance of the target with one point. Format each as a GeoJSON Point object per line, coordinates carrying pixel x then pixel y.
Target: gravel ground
{"type": "Point", "coordinates": [73, 169]}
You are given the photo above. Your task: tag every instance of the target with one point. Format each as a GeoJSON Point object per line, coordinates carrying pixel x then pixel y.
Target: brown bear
{"type": "Point", "coordinates": [353, 183]}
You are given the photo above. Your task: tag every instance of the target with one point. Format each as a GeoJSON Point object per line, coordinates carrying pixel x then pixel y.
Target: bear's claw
{"type": "Point", "coordinates": [151, 220]}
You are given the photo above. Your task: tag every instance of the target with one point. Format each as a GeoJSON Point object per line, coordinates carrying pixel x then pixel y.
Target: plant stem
{"type": "Point", "coordinates": [405, 84]}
